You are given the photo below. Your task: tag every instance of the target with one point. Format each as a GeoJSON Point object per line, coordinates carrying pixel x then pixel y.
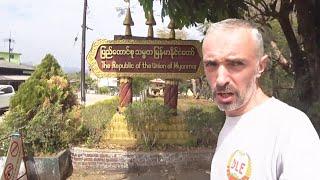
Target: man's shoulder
{"type": "Point", "coordinates": [286, 114]}
{"type": "Point", "coordinates": [285, 109]}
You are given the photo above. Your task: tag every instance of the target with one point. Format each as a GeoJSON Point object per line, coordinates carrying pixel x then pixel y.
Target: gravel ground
{"type": "Point", "coordinates": [155, 174]}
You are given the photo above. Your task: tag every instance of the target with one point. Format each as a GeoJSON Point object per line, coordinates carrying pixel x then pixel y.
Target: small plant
{"type": "Point", "coordinates": [146, 117]}
{"type": "Point", "coordinates": [95, 119]}
{"type": "Point", "coordinates": [204, 125]}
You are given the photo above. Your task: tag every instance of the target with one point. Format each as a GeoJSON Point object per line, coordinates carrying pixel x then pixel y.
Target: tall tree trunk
{"type": "Point", "coordinates": [299, 63]}
{"type": "Point", "coordinates": [309, 29]}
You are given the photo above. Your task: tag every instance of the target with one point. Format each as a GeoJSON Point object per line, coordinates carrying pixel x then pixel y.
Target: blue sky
{"type": "Point", "coordinates": [45, 26]}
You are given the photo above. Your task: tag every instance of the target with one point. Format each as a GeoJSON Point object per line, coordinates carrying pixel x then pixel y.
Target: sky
{"type": "Point", "coordinates": [39, 27]}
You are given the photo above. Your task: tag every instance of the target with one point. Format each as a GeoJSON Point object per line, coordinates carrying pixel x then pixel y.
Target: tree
{"type": "Point", "coordinates": [165, 33]}
{"type": "Point", "coordinates": [32, 94]}
{"type": "Point", "coordinates": [44, 108]}
{"type": "Point", "coordinates": [304, 44]}
{"type": "Point", "coordinates": [139, 85]}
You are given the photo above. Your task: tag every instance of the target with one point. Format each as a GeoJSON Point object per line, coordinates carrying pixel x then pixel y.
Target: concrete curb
{"type": "Point", "coordinates": [58, 167]}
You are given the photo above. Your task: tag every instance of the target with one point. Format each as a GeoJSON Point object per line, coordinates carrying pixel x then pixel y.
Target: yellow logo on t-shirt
{"type": "Point", "coordinates": [239, 166]}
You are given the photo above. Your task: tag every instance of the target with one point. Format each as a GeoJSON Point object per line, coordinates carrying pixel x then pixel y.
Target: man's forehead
{"type": "Point", "coordinates": [229, 46]}
{"type": "Point", "coordinates": [230, 34]}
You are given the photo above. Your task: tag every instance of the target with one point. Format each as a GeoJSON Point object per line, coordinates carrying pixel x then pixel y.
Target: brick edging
{"type": "Point", "coordinates": [84, 159]}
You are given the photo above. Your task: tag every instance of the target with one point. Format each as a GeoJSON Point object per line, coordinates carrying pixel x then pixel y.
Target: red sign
{"type": "Point", "coordinates": [14, 158]}
{"type": "Point", "coordinates": [8, 171]}
{"type": "Point", "coordinates": [14, 149]}
{"type": "Point", "coordinates": [154, 58]}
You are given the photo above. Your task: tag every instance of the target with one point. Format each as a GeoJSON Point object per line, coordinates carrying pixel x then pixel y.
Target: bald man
{"type": "Point", "coordinates": [262, 137]}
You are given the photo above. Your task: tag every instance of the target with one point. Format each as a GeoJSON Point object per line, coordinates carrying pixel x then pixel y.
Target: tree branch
{"type": "Point", "coordinates": [267, 12]}
{"type": "Point", "coordinates": [254, 6]}
{"type": "Point", "coordinates": [283, 62]}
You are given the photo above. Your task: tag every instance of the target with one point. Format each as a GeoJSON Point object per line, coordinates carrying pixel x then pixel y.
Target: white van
{"type": "Point", "coordinates": [6, 92]}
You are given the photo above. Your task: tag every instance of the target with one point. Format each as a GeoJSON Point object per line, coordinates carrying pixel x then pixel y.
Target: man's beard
{"type": "Point", "coordinates": [239, 96]}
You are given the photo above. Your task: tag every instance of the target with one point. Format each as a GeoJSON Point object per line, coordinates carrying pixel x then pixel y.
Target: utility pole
{"type": "Point", "coordinates": [10, 40]}
{"type": "Point", "coordinates": [83, 49]}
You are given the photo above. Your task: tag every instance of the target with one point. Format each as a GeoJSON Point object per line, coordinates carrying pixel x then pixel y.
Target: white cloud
{"type": "Point", "coordinates": [42, 26]}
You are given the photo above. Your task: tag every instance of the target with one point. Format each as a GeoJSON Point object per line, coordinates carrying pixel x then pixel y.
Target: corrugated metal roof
{"type": "Point", "coordinates": [6, 64]}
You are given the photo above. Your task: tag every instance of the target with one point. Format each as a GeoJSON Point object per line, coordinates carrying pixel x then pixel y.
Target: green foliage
{"type": "Point", "coordinates": [183, 87]}
{"type": "Point", "coordinates": [104, 90]}
{"type": "Point", "coordinates": [276, 34]}
{"type": "Point", "coordinates": [139, 84]}
{"type": "Point", "coordinates": [277, 82]}
{"type": "Point", "coordinates": [165, 33]}
{"type": "Point", "coordinates": [108, 90]}
{"type": "Point", "coordinates": [91, 83]}
{"type": "Point", "coordinates": [204, 125]}
{"type": "Point", "coordinates": [146, 117]}
{"type": "Point", "coordinates": [30, 96]}
{"type": "Point", "coordinates": [95, 119]}
{"type": "Point", "coordinates": [43, 107]}
{"type": "Point", "coordinates": [75, 79]}
{"type": "Point", "coordinates": [49, 67]}
{"type": "Point", "coordinates": [33, 92]}
{"type": "Point", "coordinates": [190, 12]}
{"type": "Point", "coordinates": [50, 130]}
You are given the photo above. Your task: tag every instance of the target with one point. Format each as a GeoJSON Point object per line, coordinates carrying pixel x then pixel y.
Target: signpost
{"type": "Point", "coordinates": [14, 158]}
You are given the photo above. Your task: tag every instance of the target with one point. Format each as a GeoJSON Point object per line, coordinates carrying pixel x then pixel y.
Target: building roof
{"type": "Point", "coordinates": [6, 64]}
{"type": "Point", "coordinates": [14, 77]}
{"type": "Point", "coordinates": [3, 52]}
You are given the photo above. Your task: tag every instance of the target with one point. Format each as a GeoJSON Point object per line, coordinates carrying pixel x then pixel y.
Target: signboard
{"type": "Point", "coordinates": [168, 59]}
{"type": "Point", "coordinates": [14, 158]}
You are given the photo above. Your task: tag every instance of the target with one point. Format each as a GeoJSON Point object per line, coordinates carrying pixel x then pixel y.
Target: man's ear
{"type": "Point", "coordinates": [263, 63]}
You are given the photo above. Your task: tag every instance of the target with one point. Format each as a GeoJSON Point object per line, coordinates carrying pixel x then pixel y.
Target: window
{"type": "Point", "coordinates": [6, 90]}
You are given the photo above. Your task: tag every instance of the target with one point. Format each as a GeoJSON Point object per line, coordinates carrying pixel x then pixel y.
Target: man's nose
{"type": "Point", "coordinates": [222, 76]}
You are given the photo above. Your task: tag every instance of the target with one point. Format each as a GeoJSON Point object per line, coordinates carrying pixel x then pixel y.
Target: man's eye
{"type": "Point", "coordinates": [236, 63]}
{"type": "Point", "coordinates": [210, 64]}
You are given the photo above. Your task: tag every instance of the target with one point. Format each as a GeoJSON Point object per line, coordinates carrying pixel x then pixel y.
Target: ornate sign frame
{"type": "Point", "coordinates": [159, 58]}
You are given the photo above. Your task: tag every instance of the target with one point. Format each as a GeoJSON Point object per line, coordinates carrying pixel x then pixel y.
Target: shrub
{"type": "Point", "coordinates": [138, 85]}
{"type": "Point", "coordinates": [146, 116]}
{"type": "Point", "coordinates": [204, 125]}
{"type": "Point", "coordinates": [43, 106]}
{"type": "Point", "coordinates": [95, 119]}
{"type": "Point", "coordinates": [104, 90]}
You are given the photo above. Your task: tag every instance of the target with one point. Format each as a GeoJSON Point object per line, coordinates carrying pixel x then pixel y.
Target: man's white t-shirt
{"type": "Point", "coordinates": [273, 141]}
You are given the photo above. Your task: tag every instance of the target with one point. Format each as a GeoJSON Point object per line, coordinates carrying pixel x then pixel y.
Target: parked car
{"type": "Point", "coordinates": [6, 92]}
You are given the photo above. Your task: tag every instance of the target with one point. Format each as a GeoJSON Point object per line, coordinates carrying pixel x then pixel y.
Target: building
{"type": "Point", "coordinates": [104, 82]}
{"type": "Point", "coordinates": [14, 57]}
{"type": "Point", "coordinates": [13, 72]}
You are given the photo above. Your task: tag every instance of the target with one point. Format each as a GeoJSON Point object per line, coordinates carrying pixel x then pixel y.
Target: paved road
{"type": "Point", "coordinates": [94, 98]}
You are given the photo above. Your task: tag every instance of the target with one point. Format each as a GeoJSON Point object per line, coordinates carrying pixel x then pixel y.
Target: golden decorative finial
{"type": "Point", "coordinates": [172, 26]}
{"type": "Point", "coordinates": [128, 22]}
{"type": "Point", "coordinates": [150, 22]}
